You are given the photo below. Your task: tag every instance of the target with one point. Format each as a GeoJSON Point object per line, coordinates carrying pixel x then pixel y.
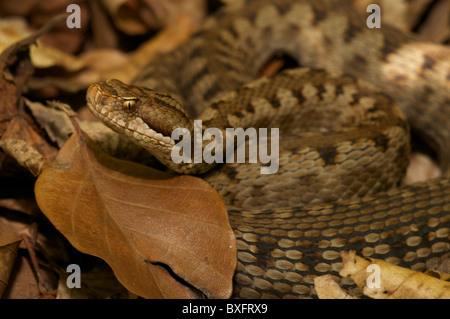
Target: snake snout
{"type": "Point", "coordinates": [93, 96]}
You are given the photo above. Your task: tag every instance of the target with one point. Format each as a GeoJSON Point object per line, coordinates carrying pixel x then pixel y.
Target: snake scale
{"type": "Point", "coordinates": [344, 143]}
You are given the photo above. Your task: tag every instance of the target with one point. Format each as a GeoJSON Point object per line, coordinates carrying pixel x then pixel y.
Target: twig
{"type": "Point", "coordinates": [29, 243]}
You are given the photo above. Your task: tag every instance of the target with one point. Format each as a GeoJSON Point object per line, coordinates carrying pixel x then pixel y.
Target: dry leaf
{"type": "Point", "coordinates": [61, 37]}
{"type": "Point", "coordinates": [17, 7]}
{"type": "Point", "coordinates": [23, 283]}
{"type": "Point", "coordinates": [12, 29]}
{"type": "Point", "coordinates": [18, 138]}
{"type": "Point", "coordinates": [163, 238]}
{"type": "Point", "coordinates": [103, 32]}
{"type": "Point", "coordinates": [23, 205]}
{"type": "Point", "coordinates": [165, 41]}
{"type": "Point", "coordinates": [10, 84]}
{"type": "Point", "coordinates": [45, 247]}
{"type": "Point", "coordinates": [327, 288]}
{"type": "Point", "coordinates": [100, 64]}
{"type": "Point", "coordinates": [402, 14]}
{"type": "Point", "coordinates": [55, 122]}
{"type": "Point", "coordinates": [58, 127]}
{"type": "Point", "coordinates": [42, 56]}
{"type": "Point", "coordinates": [437, 26]}
{"type": "Point", "coordinates": [134, 18]}
{"type": "Point", "coordinates": [26, 146]}
{"type": "Point", "coordinates": [38, 55]}
{"type": "Point", "coordinates": [125, 14]}
{"type": "Point", "coordinates": [440, 264]}
{"type": "Point", "coordinates": [8, 255]}
{"type": "Point", "coordinates": [98, 282]}
{"type": "Point", "coordinates": [420, 168]}
{"type": "Point", "coordinates": [439, 267]}
{"type": "Point", "coordinates": [395, 282]}
{"type": "Point", "coordinates": [38, 13]}
{"type": "Point", "coordinates": [9, 243]}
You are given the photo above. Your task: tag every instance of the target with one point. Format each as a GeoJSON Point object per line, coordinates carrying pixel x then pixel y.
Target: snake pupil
{"type": "Point", "coordinates": [129, 105]}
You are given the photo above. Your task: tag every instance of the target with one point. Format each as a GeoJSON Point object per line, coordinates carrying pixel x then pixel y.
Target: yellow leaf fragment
{"type": "Point", "coordinates": [327, 288]}
{"type": "Point", "coordinates": [381, 280]}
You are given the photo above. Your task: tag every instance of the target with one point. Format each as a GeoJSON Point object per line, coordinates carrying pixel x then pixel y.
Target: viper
{"type": "Point", "coordinates": [344, 116]}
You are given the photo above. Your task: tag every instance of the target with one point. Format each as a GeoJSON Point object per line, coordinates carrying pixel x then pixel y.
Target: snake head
{"type": "Point", "coordinates": [144, 116]}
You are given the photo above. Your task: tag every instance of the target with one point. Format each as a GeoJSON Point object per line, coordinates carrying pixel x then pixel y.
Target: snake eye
{"type": "Point", "coordinates": [129, 105]}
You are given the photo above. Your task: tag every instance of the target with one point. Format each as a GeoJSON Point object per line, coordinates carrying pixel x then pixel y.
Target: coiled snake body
{"type": "Point", "coordinates": [343, 144]}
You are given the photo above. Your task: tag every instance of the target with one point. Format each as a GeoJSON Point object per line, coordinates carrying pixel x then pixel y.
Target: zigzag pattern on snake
{"type": "Point", "coordinates": [341, 140]}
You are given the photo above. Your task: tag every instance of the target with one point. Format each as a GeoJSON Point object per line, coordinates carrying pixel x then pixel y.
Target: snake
{"type": "Point", "coordinates": [345, 113]}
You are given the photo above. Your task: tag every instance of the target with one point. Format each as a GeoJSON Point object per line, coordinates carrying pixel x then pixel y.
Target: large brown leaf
{"type": "Point", "coordinates": [164, 238]}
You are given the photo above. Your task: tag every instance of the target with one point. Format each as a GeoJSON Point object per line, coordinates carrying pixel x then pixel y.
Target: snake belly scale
{"type": "Point", "coordinates": [344, 139]}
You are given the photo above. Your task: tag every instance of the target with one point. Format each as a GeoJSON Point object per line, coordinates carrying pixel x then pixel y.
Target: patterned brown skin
{"type": "Point", "coordinates": [342, 147]}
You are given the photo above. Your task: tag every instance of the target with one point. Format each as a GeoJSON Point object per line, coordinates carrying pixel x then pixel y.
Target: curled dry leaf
{"type": "Point", "coordinates": [395, 282]}
{"type": "Point", "coordinates": [24, 154]}
{"type": "Point", "coordinates": [28, 148]}
{"type": "Point", "coordinates": [165, 238]}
